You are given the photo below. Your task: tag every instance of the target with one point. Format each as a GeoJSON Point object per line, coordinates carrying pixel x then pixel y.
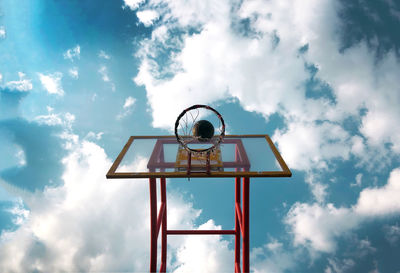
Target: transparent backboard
{"type": "Point", "coordinates": [162, 156]}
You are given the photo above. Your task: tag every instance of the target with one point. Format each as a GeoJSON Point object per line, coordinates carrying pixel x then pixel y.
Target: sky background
{"type": "Point", "coordinates": [321, 77]}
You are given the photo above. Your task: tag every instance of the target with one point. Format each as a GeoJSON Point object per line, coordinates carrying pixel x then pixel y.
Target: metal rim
{"type": "Point", "coordinates": [219, 138]}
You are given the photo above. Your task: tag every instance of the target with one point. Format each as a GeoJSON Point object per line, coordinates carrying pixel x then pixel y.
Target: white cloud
{"type": "Point", "coordinates": [358, 180]}
{"type": "Point", "coordinates": [62, 221]}
{"type": "Point", "coordinates": [104, 73]}
{"type": "Point", "coordinates": [215, 65]}
{"type": "Point", "coordinates": [104, 55]}
{"type": "Point", "coordinates": [1, 77]}
{"type": "Point", "coordinates": [22, 84]}
{"type": "Point", "coordinates": [73, 53]}
{"type": "Point", "coordinates": [93, 135]}
{"type": "Point", "coordinates": [52, 83]}
{"type": "Point", "coordinates": [219, 62]}
{"type": "Point", "coordinates": [147, 17]}
{"type": "Point", "coordinates": [66, 120]}
{"type": "Point", "coordinates": [129, 102]}
{"type": "Point", "coordinates": [339, 266]}
{"type": "Point", "coordinates": [127, 107]}
{"type": "Point", "coordinates": [317, 226]}
{"type": "Point", "coordinates": [74, 73]}
{"type": "Point", "coordinates": [393, 9]}
{"type": "Point", "coordinates": [20, 155]}
{"type": "Point", "coordinates": [381, 201]}
{"type": "Point", "coordinates": [359, 82]}
{"type": "Point", "coordinates": [20, 213]}
{"type": "Point", "coordinates": [364, 248]}
{"type": "Point", "coordinates": [318, 188]}
{"type": "Point", "coordinates": [392, 234]}
{"type": "Point", "coordinates": [132, 4]}
{"type": "Point", "coordinates": [204, 253]}
{"type": "Point", "coordinates": [2, 32]}
{"type": "Point", "coordinates": [274, 245]}
{"type": "Point", "coordinates": [272, 257]}
{"type": "Point", "coordinates": [307, 145]}
{"type": "Point", "coordinates": [57, 233]}
{"type": "Point", "coordinates": [319, 191]}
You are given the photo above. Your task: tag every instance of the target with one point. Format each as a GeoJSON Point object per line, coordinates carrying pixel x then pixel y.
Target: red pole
{"type": "Point", "coordinates": [245, 221]}
{"type": "Point", "coordinates": [189, 162]}
{"type": "Point", "coordinates": [153, 224]}
{"type": "Point", "coordinates": [208, 167]}
{"type": "Point", "coordinates": [237, 225]}
{"type": "Point", "coordinates": [163, 266]}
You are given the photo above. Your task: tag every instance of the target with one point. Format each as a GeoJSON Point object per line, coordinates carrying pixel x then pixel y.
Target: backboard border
{"type": "Point", "coordinates": [112, 174]}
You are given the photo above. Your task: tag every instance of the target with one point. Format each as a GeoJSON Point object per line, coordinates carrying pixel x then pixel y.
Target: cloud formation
{"type": "Point", "coordinates": [266, 54]}
{"type": "Point", "coordinates": [58, 233]}
{"type": "Point", "coordinates": [275, 58]}
{"type": "Point", "coordinates": [52, 83]}
{"type": "Point", "coordinates": [74, 72]}
{"type": "Point", "coordinates": [204, 253]}
{"type": "Point", "coordinates": [22, 84]}
{"type": "Point", "coordinates": [73, 53]}
{"type": "Point", "coordinates": [127, 108]}
{"type": "Point", "coordinates": [147, 17]}
{"type": "Point", "coordinates": [32, 144]}
{"type": "Point", "coordinates": [132, 4]}
{"type": "Point", "coordinates": [285, 58]}
{"type": "Point", "coordinates": [318, 226]}
{"type": "Point", "coordinates": [104, 74]}
{"type": "Point", "coordinates": [38, 142]}
{"type": "Point", "coordinates": [104, 55]}
{"type": "Point", "coordinates": [2, 32]}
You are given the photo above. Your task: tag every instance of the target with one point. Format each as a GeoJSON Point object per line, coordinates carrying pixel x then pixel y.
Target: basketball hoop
{"type": "Point", "coordinates": [185, 125]}
{"type": "Point", "coordinates": [190, 129]}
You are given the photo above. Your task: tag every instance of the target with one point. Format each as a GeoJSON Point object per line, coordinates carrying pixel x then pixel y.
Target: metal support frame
{"type": "Point", "coordinates": [158, 220]}
{"type": "Point", "coordinates": [157, 168]}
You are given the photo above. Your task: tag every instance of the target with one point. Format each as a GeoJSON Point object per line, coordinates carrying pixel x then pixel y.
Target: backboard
{"type": "Point", "coordinates": [162, 156]}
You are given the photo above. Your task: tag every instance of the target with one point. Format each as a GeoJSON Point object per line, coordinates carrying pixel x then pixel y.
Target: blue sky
{"type": "Point", "coordinates": [322, 78]}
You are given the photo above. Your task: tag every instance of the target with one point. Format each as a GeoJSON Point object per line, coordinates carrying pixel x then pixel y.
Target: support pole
{"type": "Point", "coordinates": [245, 221]}
{"type": "Point", "coordinates": [160, 220]}
{"type": "Point", "coordinates": [153, 224]}
{"type": "Point", "coordinates": [189, 163]}
{"type": "Point", "coordinates": [208, 166]}
{"type": "Point", "coordinates": [237, 225]}
{"type": "Point", "coordinates": [163, 266]}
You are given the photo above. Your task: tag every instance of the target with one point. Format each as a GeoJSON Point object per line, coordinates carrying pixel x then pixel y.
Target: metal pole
{"type": "Point", "coordinates": [237, 226]}
{"type": "Point", "coordinates": [163, 266]}
{"type": "Point", "coordinates": [245, 221]}
{"type": "Point", "coordinates": [153, 224]}
{"type": "Point", "coordinates": [189, 163]}
{"type": "Point", "coordinates": [208, 167]}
